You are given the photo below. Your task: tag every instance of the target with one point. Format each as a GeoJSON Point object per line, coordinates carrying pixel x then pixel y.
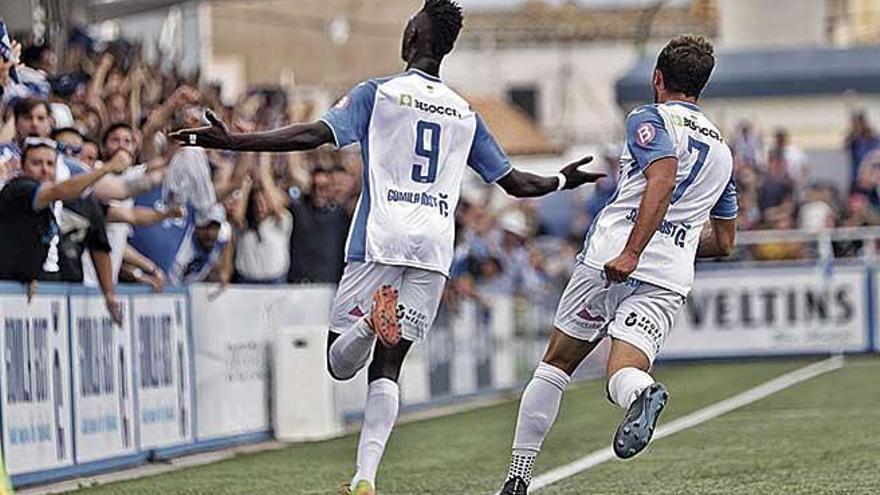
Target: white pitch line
{"type": "Point", "coordinates": [696, 418]}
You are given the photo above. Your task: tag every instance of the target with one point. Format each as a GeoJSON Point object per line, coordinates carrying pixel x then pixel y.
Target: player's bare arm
{"type": "Point", "coordinates": [717, 238]}
{"type": "Point", "coordinates": [527, 185]}
{"type": "Point", "coordinates": [660, 177]}
{"type": "Point", "coordinates": [295, 137]}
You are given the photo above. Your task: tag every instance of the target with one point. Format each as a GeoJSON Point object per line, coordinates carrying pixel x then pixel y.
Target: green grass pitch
{"type": "Point", "coordinates": [816, 438]}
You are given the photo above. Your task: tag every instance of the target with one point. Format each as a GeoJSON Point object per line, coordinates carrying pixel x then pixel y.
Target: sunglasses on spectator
{"type": "Point", "coordinates": [69, 149]}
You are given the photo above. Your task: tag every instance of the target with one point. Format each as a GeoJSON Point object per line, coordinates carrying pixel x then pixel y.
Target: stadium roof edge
{"type": "Point", "coordinates": [781, 72]}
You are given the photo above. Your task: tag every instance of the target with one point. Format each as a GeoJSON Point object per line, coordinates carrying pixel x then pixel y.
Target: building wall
{"type": "Point", "coordinates": [279, 39]}
{"type": "Point", "coordinates": [576, 101]}
{"type": "Point", "coordinates": [772, 23]}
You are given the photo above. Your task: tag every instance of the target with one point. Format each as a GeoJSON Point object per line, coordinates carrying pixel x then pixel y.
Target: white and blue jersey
{"type": "Point", "coordinates": [704, 188]}
{"type": "Point", "coordinates": [416, 137]}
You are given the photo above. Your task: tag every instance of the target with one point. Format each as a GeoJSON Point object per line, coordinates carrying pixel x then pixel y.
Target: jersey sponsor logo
{"type": "Point", "coordinates": [693, 125]}
{"type": "Point", "coordinates": [406, 100]}
{"type": "Point", "coordinates": [645, 134]}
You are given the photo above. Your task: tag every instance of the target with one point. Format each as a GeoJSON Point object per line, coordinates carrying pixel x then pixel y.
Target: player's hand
{"type": "Point", "coordinates": [575, 178]}
{"type": "Point", "coordinates": [119, 162]}
{"type": "Point", "coordinates": [215, 136]}
{"type": "Point", "coordinates": [620, 268]}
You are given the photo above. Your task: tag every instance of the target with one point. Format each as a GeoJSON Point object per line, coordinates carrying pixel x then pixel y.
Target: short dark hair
{"type": "Point", "coordinates": [25, 106]}
{"type": "Point", "coordinates": [113, 127]}
{"type": "Point", "coordinates": [33, 55]}
{"type": "Point", "coordinates": [446, 19]}
{"type": "Point", "coordinates": [686, 63]}
{"type": "Point", "coordinates": [28, 148]}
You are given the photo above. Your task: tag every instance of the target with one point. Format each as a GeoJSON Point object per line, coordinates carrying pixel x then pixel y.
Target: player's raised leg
{"type": "Point", "coordinates": [351, 337]}
{"type": "Point", "coordinates": [540, 404]}
{"type": "Point", "coordinates": [637, 335]}
{"type": "Point", "coordinates": [412, 313]}
{"type": "Point", "coordinates": [631, 387]}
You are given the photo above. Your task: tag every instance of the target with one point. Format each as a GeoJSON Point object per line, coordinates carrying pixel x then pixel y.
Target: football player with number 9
{"type": "Point", "coordinates": [416, 137]}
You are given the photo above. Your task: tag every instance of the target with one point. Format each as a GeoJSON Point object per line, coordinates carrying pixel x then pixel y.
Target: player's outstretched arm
{"type": "Point", "coordinates": [295, 137]}
{"type": "Point", "coordinates": [660, 178]}
{"type": "Point", "coordinates": [527, 185]}
{"type": "Point", "coordinates": [717, 238]}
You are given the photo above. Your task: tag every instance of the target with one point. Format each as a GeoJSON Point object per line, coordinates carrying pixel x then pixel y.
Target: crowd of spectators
{"type": "Point", "coordinates": [118, 201]}
{"type": "Point", "coordinates": [93, 192]}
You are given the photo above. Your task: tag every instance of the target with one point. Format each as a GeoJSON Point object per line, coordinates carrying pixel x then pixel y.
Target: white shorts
{"type": "Point", "coordinates": [635, 312]}
{"type": "Point", "coordinates": [420, 294]}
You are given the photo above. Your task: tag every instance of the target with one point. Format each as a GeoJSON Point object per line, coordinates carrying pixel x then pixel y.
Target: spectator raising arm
{"type": "Point", "coordinates": [104, 269]}
{"type": "Point", "coordinates": [141, 216]}
{"type": "Point", "coordinates": [276, 200]}
{"type": "Point", "coordinates": [74, 187]}
{"type": "Point", "coordinates": [160, 118]}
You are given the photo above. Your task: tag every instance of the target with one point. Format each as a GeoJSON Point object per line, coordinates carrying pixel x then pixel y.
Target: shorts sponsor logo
{"type": "Point", "coordinates": [357, 312]}
{"type": "Point", "coordinates": [414, 319]}
{"type": "Point", "coordinates": [646, 325]}
{"type": "Point", "coordinates": [585, 315]}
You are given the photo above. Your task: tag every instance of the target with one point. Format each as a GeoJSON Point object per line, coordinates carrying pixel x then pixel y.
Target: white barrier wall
{"type": "Point", "coordinates": [103, 382]}
{"type": "Point", "coordinates": [772, 311]}
{"type": "Point", "coordinates": [192, 368]}
{"type": "Point", "coordinates": [233, 332]}
{"type": "Point", "coordinates": [35, 383]}
{"type": "Point", "coordinates": [162, 372]}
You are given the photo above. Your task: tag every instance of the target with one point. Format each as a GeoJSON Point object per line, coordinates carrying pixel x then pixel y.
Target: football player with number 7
{"type": "Point", "coordinates": [416, 137]}
{"type": "Point", "coordinates": [675, 201]}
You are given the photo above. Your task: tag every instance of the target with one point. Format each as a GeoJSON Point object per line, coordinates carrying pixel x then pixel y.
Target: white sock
{"type": "Point", "coordinates": [351, 350]}
{"type": "Point", "coordinates": [379, 417]}
{"type": "Point", "coordinates": [626, 384]}
{"type": "Point", "coordinates": [537, 412]}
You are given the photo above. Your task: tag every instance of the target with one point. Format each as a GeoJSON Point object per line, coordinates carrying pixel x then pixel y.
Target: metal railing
{"type": "Point", "coordinates": [823, 239]}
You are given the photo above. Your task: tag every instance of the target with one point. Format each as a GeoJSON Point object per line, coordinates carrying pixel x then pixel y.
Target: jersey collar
{"type": "Point", "coordinates": [424, 74]}
{"type": "Point", "coordinates": [685, 104]}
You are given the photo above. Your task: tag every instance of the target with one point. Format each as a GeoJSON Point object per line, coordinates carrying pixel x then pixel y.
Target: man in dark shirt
{"type": "Point", "coordinates": [320, 227]}
{"type": "Point", "coordinates": [27, 220]}
{"type": "Point", "coordinates": [84, 226]}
